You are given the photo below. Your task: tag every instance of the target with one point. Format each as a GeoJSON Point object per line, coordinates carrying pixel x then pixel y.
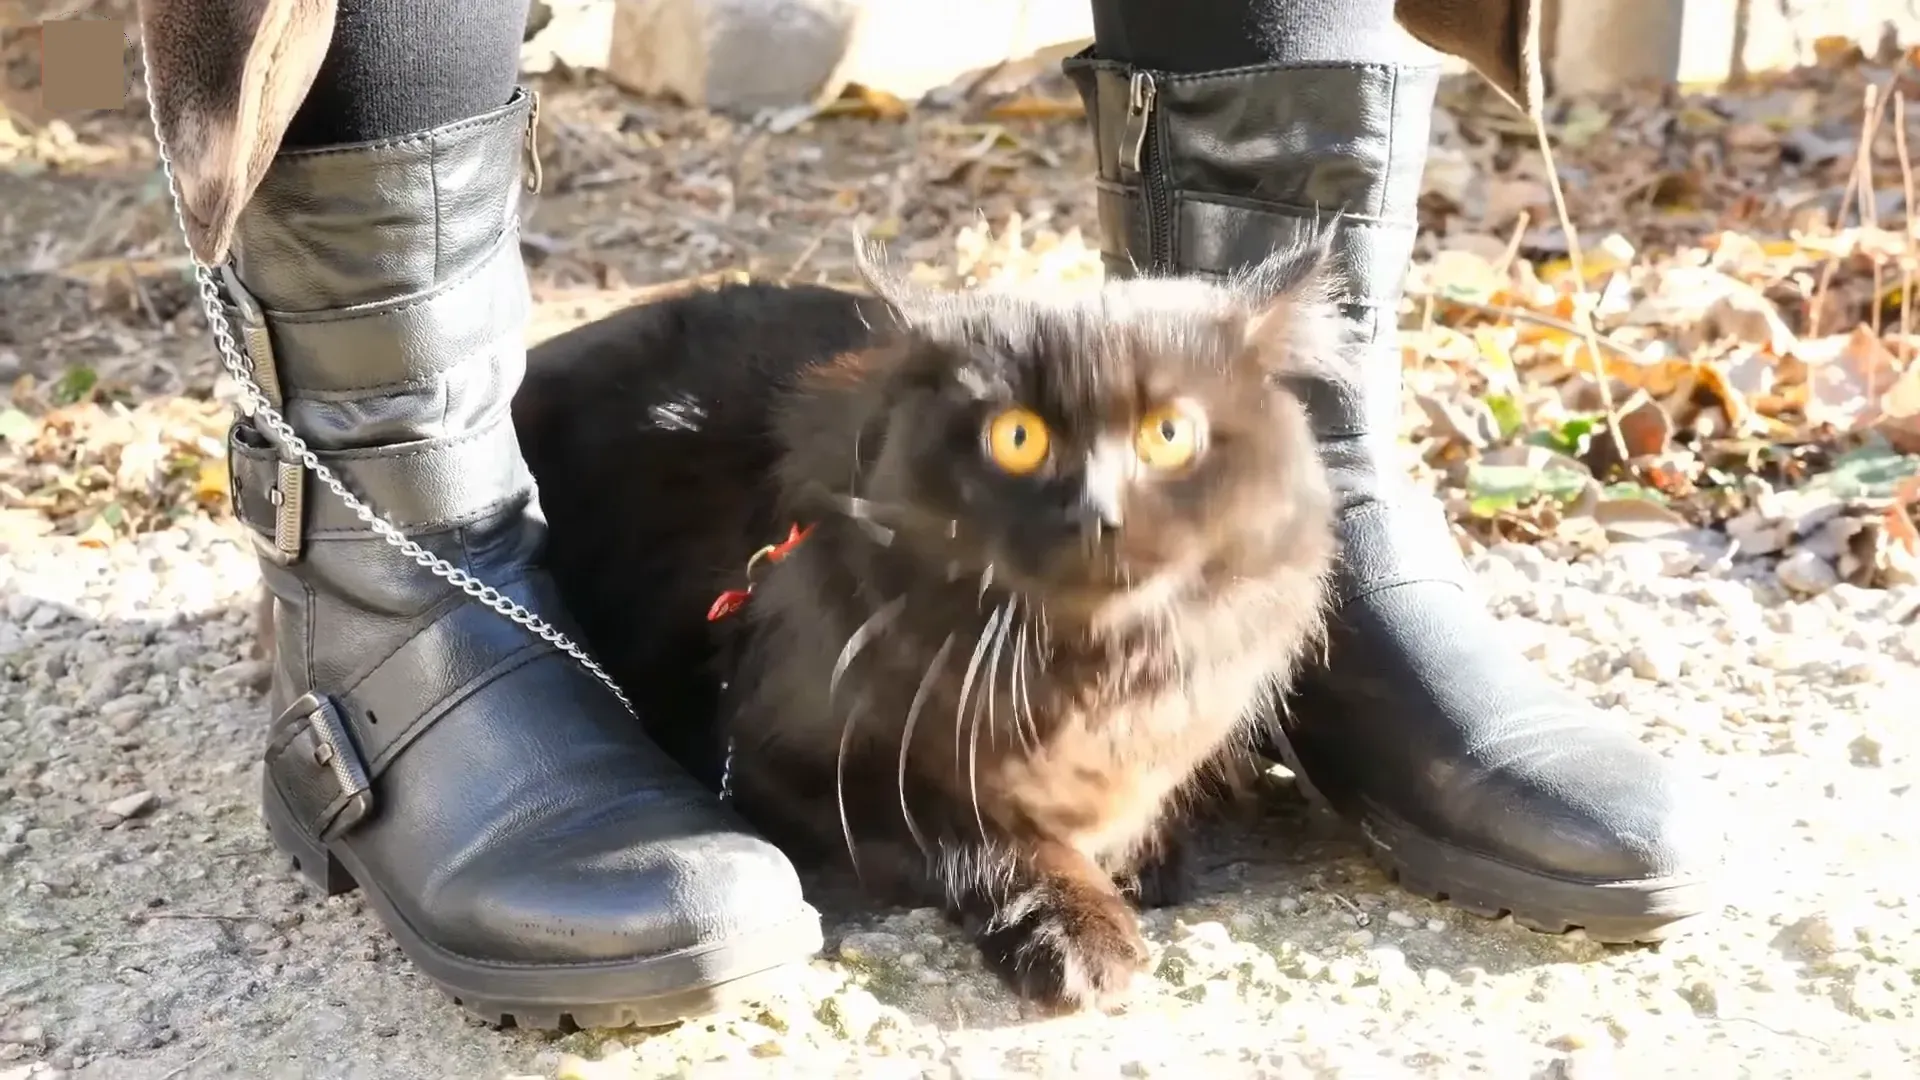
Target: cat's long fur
{"type": "Point", "coordinates": [987, 694]}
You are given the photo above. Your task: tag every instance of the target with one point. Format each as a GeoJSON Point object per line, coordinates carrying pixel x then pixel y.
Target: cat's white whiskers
{"type": "Point", "coordinates": [861, 511]}
{"type": "Point", "coordinates": [973, 723]}
{"type": "Point", "coordinates": [840, 782]}
{"type": "Point", "coordinates": [993, 672]}
{"type": "Point", "coordinates": [906, 740]}
{"type": "Point", "coordinates": [966, 693]}
{"type": "Point", "coordinates": [1019, 681]}
{"type": "Point", "coordinates": [858, 640]}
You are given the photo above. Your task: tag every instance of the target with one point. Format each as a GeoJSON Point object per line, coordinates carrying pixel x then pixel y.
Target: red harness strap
{"type": "Point", "coordinates": [734, 599]}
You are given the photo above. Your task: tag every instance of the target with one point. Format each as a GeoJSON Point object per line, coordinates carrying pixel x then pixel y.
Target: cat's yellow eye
{"type": "Point", "coordinates": [1168, 437]}
{"type": "Point", "coordinates": [1018, 440]}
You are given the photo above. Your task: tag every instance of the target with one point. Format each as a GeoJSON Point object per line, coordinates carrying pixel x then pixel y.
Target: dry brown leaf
{"type": "Point", "coordinates": [1842, 371]}
{"type": "Point", "coordinates": [1496, 350]}
{"type": "Point", "coordinates": [210, 482]}
{"type": "Point", "coordinates": [1646, 429]}
{"type": "Point", "coordinates": [1899, 417]}
{"type": "Point", "coordinates": [1466, 422]}
{"type": "Point", "coordinates": [1035, 107]}
{"type": "Point", "coordinates": [1637, 519]}
{"type": "Point", "coordinates": [1741, 312]}
{"type": "Point", "coordinates": [866, 103]}
{"type": "Point", "coordinates": [1900, 528]}
{"type": "Point", "coordinates": [97, 535]}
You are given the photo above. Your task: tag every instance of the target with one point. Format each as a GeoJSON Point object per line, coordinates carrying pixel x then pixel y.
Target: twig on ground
{"type": "Point", "coordinates": [1869, 123]}
{"type": "Point", "coordinates": [1619, 349]}
{"type": "Point", "coordinates": [805, 256]}
{"type": "Point", "coordinates": [1583, 310]}
{"type": "Point", "coordinates": [193, 916]}
{"type": "Point", "coordinates": [1906, 226]}
{"type": "Point", "coordinates": [1870, 215]}
{"type": "Point", "coordinates": [1513, 244]}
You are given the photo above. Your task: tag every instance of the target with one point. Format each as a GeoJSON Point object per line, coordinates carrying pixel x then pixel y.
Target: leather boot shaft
{"type": "Point", "coordinates": [382, 301]}
{"type": "Point", "coordinates": [1211, 173]}
{"type": "Point", "coordinates": [1471, 774]}
{"type": "Point", "coordinates": [507, 818]}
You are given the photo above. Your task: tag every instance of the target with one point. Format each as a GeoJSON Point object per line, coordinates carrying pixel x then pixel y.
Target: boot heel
{"type": "Point", "coordinates": [312, 860]}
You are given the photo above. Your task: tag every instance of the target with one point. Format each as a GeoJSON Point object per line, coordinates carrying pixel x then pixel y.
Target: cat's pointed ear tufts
{"type": "Point", "coordinates": [1293, 323]}
{"type": "Point", "coordinates": [901, 296]}
{"type": "Point", "coordinates": [1305, 267]}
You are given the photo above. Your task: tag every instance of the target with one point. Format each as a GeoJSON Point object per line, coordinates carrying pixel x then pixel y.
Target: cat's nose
{"type": "Point", "coordinates": [1100, 497]}
{"type": "Point", "coordinates": [1099, 515]}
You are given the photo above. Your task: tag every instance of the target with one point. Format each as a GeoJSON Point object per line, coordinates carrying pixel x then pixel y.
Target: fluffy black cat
{"type": "Point", "coordinates": [1026, 572]}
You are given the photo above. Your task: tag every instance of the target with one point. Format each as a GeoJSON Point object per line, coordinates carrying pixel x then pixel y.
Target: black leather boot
{"type": "Point", "coordinates": [505, 816]}
{"type": "Point", "coordinates": [1471, 775]}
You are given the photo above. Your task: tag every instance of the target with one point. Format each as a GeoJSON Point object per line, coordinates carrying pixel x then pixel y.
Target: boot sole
{"type": "Point", "coordinates": [652, 991]}
{"type": "Point", "coordinates": [1635, 912]}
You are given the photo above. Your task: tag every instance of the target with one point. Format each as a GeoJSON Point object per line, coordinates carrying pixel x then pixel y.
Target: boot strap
{"type": "Point", "coordinates": [422, 488]}
{"type": "Point", "coordinates": [1384, 544]}
{"type": "Point", "coordinates": [1219, 235]}
{"type": "Point", "coordinates": [326, 751]}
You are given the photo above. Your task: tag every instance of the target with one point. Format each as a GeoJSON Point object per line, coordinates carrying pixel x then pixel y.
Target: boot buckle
{"type": "Point", "coordinates": [256, 344]}
{"type": "Point", "coordinates": [284, 492]}
{"type": "Point", "coordinates": [289, 499]}
{"type": "Point", "coordinates": [310, 738]}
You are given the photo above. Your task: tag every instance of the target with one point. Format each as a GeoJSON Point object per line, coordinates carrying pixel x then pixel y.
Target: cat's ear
{"type": "Point", "coordinates": [906, 300]}
{"type": "Point", "coordinates": [1293, 322]}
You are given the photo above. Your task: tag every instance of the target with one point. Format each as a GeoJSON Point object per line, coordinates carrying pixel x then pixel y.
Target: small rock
{"type": "Point", "coordinates": [852, 1013]}
{"type": "Point", "coordinates": [1586, 1063]}
{"type": "Point", "coordinates": [1703, 996]}
{"type": "Point", "coordinates": [1865, 752]}
{"type": "Point", "coordinates": [1867, 672]}
{"type": "Point", "coordinates": [113, 678]}
{"type": "Point", "coordinates": [132, 806]}
{"type": "Point", "coordinates": [1402, 920]}
{"type": "Point", "coordinates": [1807, 573]}
{"type": "Point", "coordinates": [1658, 663]}
{"type": "Point", "coordinates": [1571, 1041]}
{"type": "Point", "coordinates": [1637, 562]}
{"type": "Point", "coordinates": [1757, 535]}
{"type": "Point", "coordinates": [243, 675]}
{"type": "Point", "coordinates": [13, 644]}
{"type": "Point", "coordinates": [23, 1034]}
{"type": "Point", "coordinates": [1200, 952]}
{"type": "Point", "coordinates": [870, 947]}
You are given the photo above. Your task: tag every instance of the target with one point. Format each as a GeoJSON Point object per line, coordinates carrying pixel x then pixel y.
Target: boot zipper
{"type": "Point", "coordinates": [1141, 154]}
{"type": "Point", "coordinates": [535, 176]}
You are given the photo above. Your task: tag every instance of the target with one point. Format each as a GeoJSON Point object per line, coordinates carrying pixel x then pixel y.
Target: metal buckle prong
{"type": "Point", "coordinates": [334, 751]}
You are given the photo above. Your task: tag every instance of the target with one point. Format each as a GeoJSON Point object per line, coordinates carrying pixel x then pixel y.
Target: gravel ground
{"type": "Point", "coordinates": [148, 931]}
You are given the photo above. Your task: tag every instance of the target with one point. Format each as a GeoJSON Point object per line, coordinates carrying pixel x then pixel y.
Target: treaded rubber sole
{"type": "Point", "coordinates": [649, 991]}
{"type": "Point", "coordinates": [1613, 913]}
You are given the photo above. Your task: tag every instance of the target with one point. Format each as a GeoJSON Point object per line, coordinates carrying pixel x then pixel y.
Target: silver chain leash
{"type": "Point", "coordinates": [290, 443]}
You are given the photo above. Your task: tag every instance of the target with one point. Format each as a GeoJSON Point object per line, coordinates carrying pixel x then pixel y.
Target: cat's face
{"type": "Point", "coordinates": [1108, 452]}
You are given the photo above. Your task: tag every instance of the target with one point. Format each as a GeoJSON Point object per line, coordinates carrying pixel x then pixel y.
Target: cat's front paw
{"type": "Point", "coordinates": [1165, 879]}
{"type": "Point", "coordinates": [1065, 948]}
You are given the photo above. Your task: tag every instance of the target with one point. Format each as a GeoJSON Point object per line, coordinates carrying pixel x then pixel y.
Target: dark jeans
{"type": "Point", "coordinates": [397, 66]}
